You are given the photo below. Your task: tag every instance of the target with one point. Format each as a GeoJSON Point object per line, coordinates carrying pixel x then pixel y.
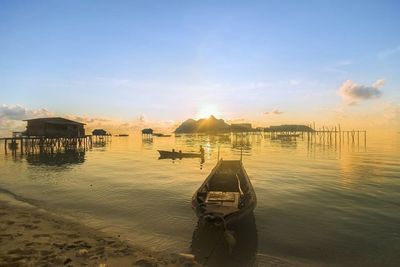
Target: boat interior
{"type": "Point", "coordinates": [226, 186]}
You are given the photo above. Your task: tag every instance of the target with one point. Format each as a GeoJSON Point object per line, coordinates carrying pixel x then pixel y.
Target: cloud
{"type": "Point", "coordinates": [11, 117]}
{"type": "Point", "coordinates": [339, 67]}
{"type": "Point", "coordinates": [389, 52]}
{"type": "Point", "coordinates": [87, 119]}
{"type": "Point", "coordinates": [18, 112]}
{"type": "Point", "coordinates": [122, 126]}
{"type": "Point", "coordinates": [273, 112]}
{"type": "Point", "coordinates": [352, 93]}
{"type": "Point", "coordinates": [6, 124]}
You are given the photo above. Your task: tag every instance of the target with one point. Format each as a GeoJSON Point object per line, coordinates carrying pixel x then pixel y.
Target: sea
{"type": "Point", "coordinates": [321, 202]}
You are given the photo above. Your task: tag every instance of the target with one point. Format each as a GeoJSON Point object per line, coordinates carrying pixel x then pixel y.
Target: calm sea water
{"type": "Point", "coordinates": [317, 204]}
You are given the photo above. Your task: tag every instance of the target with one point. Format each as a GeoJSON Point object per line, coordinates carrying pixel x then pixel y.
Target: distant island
{"type": "Point", "coordinates": [210, 125]}
{"type": "Point", "coordinates": [214, 125]}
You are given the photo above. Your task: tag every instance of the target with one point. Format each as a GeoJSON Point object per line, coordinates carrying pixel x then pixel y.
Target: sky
{"type": "Point", "coordinates": [129, 64]}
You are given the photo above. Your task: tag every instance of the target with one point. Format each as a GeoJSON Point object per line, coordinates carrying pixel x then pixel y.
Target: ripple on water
{"type": "Point", "coordinates": [315, 203]}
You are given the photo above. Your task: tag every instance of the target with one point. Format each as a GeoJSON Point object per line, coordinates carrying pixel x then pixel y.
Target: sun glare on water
{"type": "Point", "coordinates": [206, 111]}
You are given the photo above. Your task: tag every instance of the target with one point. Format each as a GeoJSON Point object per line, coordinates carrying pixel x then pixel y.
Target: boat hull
{"type": "Point", "coordinates": [220, 214]}
{"type": "Point", "coordinates": [178, 155]}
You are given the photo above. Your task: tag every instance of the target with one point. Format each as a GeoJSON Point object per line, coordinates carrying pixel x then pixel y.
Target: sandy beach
{"type": "Point", "coordinates": [33, 236]}
{"type": "Point", "coordinates": [30, 236]}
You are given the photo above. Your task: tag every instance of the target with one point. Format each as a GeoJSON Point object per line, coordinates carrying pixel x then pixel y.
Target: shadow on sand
{"type": "Point", "coordinates": [211, 247]}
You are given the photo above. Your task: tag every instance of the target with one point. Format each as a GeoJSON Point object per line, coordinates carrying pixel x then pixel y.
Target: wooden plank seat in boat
{"type": "Point", "coordinates": [218, 202]}
{"type": "Point", "coordinates": [223, 198]}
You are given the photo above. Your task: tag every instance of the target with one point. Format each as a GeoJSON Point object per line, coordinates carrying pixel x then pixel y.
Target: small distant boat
{"type": "Point", "coordinates": [226, 195]}
{"type": "Point", "coordinates": [164, 154]}
{"type": "Point", "coordinates": [122, 135]}
{"type": "Point", "coordinates": [161, 135]}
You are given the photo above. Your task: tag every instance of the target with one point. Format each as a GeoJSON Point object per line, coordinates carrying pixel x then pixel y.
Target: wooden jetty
{"type": "Point", "coordinates": [41, 144]}
{"type": "Point", "coordinates": [330, 136]}
{"type": "Point", "coordinates": [48, 135]}
{"type": "Point", "coordinates": [335, 136]}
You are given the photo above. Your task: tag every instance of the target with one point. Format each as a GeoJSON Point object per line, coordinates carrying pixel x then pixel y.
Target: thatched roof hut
{"type": "Point", "coordinates": [54, 127]}
{"type": "Point", "coordinates": [99, 132]}
{"type": "Point", "coordinates": [147, 131]}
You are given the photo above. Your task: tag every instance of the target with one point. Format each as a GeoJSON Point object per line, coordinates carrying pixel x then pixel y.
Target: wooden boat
{"type": "Point", "coordinates": [226, 195]}
{"type": "Point", "coordinates": [164, 154]}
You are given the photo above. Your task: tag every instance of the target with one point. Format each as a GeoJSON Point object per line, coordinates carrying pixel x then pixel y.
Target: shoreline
{"type": "Point", "coordinates": [32, 236]}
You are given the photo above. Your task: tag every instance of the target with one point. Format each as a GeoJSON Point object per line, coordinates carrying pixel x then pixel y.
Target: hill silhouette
{"type": "Point", "coordinates": [209, 125]}
{"type": "Point", "coordinates": [214, 125]}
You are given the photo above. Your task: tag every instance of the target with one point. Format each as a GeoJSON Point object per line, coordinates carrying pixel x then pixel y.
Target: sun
{"type": "Point", "coordinates": [205, 111]}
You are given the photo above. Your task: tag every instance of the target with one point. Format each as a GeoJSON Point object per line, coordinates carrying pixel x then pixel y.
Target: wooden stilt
{"type": "Point", "coordinates": [365, 139]}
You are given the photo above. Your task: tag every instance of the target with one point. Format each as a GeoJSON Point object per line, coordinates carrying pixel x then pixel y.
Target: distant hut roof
{"type": "Point", "coordinates": [99, 132]}
{"type": "Point", "coordinates": [56, 120]}
{"type": "Point", "coordinates": [147, 131]}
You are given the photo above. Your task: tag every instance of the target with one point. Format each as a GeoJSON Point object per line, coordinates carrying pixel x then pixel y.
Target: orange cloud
{"type": "Point", "coordinates": [352, 93]}
{"type": "Point", "coordinates": [273, 112]}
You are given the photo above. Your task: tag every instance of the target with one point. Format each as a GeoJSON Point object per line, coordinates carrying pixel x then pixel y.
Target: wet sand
{"type": "Point", "coordinates": [30, 236]}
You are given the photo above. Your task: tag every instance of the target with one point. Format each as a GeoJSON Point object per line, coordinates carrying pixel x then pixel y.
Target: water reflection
{"type": "Point", "coordinates": [147, 143]}
{"type": "Point", "coordinates": [57, 159]}
{"type": "Point", "coordinates": [285, 143]}
{"type": "Point", "coordinates": [312, 206]}
{"type": "Point", "coordinates": [211, 248]}
{"type": "Point", "coordinates": [173, 159]}
{"type": "Point", "coordinates": [99, 143]}
{"type": "Point", "coordinates": [224, 139]}
{"type": "Point", "coordinates": [244, 144]}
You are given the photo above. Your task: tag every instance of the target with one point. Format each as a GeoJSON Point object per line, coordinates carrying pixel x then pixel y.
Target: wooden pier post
{"type": "Point", "coordinates": [335, 138]}
{"type": "Point", "coordinates": [340, 139]}
{"type": "Point", "coordinates": [365, 139]}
